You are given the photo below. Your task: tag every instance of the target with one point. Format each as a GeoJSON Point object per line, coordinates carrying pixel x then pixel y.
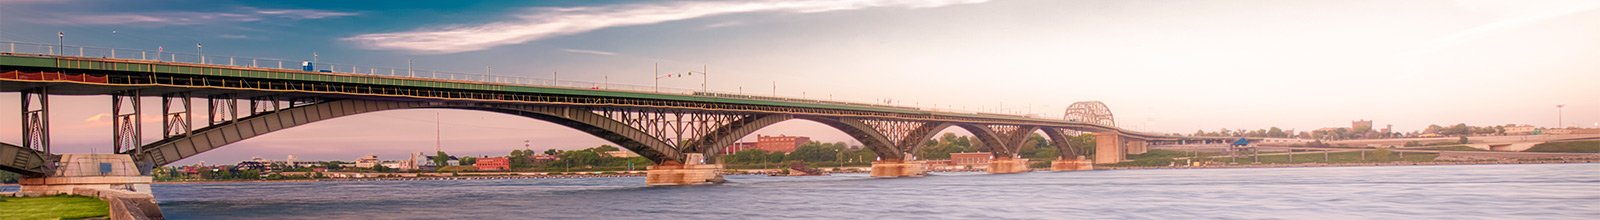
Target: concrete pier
{"type": "Point", "coordinates": [694, 172]}
{"type": "Point", "coordinates": [110, 177]}
{"type": "Point", "coordinates": [1008, 165]}
{"type": "Point", "coordinates": [95, 171]}
{"type": "Point", "coordinates": [1071, 165]}
{"type": "Point", "coordinates": [898, 168]}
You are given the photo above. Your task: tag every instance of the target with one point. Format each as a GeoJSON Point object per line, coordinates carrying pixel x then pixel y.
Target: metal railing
{"type": "Point", "coordinates": [329, 67]}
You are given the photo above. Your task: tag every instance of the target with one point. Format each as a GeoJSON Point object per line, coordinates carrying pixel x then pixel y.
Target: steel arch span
{"type": "Point", "coordinates": [1092, 112]}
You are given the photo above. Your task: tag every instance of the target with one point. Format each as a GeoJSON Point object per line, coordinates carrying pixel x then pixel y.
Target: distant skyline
{"type": "Point", "coordinates": [1161, 66]}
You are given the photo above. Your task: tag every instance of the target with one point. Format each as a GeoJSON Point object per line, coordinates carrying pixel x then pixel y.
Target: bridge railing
{"type": "Point", "coordinates": [165, 55]}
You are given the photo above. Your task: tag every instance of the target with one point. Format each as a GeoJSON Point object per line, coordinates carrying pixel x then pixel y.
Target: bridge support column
{"type": "Point", "coordinates": [693, 172]}
{"type": "Point", "coordinates": [89, 171]}
{"type": "Point", "coordinates": [1108, 148]}
{"type": "Point", "coordinates": [1008, 165]}
{"type": "Point", "coordinates": [1071, 165]}
{"type": "Point", "coordinates": [898, 168]}
{"type": "Point", "coordinates": [1136, 146]}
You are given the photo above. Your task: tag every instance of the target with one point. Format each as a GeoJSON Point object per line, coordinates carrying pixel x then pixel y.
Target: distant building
{"type": "Point", "coordinates": [390, 164]}
{"type": "Point", "coordinates": [976, 159]}
{"type": "Point", "coordinates": [1361, 125]}
{"type": "Point", "coordinates": [541, 158]}
{"type": "Point", "coordinates": [780, 143]}
{"type": "Point", "coordinates": [621, 154]}
{"type": "Point", "coordinates": [739, 146]}
{"type": "Point", "coordinates": [1520, 129]}
{"type": "Point", "coordinates": [493, 163]}
{"type": "Point", "coordinates": [368, 161]}
{"type": "Point", "coordinates": [1561, 131]}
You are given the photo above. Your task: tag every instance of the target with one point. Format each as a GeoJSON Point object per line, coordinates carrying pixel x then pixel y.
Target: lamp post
{"type": "Point", "coordinates": [1559, 122]}
{"type": "Point", "coordinates": [703, 78]}
{"type": "Point", "coordinates": [198, 49]}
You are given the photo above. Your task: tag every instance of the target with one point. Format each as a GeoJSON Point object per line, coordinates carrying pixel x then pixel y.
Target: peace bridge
{"type": "Point", "coordinates": [246, 98]}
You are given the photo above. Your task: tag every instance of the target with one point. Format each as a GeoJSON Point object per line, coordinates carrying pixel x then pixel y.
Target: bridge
{"type": "Point", "coordinates": [246, 98]}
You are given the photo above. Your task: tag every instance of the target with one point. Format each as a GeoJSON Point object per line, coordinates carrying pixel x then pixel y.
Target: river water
{"type": "Point", "coordinates": [1564, 191]}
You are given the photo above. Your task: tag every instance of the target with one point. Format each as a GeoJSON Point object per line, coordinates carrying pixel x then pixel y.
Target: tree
{"type": "Point", "coordinates": [521, 158]}
{"type": "Point", "coordinates": [775, 157]}
{"type": "Point", "coordinates": [605, 148]}
{"type": "Point", "coordinates": [1276, 132]}
{"type": "Point", "coordinates": [748, 156]}
{"type": "Point", "coordinates": [1463, 140]}
{"type": "Point", "coordinates": [441, 159]}
{"type": "Point", "coordinates": [551, 152]}
{"type": "Point", "coordinates": [816, 152]}
{"type": "Point", "coordinates": [7, 177]}
{"type": "Point", "coordinates": [468, 161]}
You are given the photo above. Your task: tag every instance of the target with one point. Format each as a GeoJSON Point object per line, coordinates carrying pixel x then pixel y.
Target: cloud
{"type": "Point", "coordinates": [541, 23]}
{"type": "Point", "coordinates": [239, 15]}
{"type": "Point", "coordinates": [96, 117]}
{"type": "Point", "coordinates": [591, 52]}
{"type": "Point", "coordinates": [1515, 14]}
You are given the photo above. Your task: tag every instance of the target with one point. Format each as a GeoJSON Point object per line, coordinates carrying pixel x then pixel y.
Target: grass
{"type": "Point", "coordinates": [1568, 147]}
{"type": "Point", "coordinates": [53, 207]}
{"type": "Point", "coordinates": [1449, 148]}
{"type": "Point", "coordinates": [1166, 157]}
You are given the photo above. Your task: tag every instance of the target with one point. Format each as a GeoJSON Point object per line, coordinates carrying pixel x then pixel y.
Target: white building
{"type": "Point", "coordinates": [367, 161]}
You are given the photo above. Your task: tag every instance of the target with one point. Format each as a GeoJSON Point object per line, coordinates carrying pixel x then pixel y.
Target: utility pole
{"type": "Point", "coordinates": [198, 48]}
{"type": "Point", "coordinates": [438, 134]}
{"type": "Point", "coordinates": [408, 68]}
{"type": "Point", "coordinates": [704, 78]}
{"type": "Point", "coordinates": [1559, 122]}
{"type": "Point", "coordinates": [61, 39]}
{"type": "Point", "coordinates": [658, 77]}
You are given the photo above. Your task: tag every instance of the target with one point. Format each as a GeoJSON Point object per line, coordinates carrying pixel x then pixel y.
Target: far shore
{"type": "Point", "coordinates": [848, 170]}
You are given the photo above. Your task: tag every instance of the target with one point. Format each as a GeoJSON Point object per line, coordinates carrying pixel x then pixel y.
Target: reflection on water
{"type": "Point", "coordinates": [1569, 191]}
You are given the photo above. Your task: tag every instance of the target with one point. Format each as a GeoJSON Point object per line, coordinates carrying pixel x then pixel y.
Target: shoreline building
{"type": "Point", "coordinates": [780, 143]}
{"type": "Point", "coordinates": [368, 161]}
{"type": "Point", "coordinates": [493, 163]}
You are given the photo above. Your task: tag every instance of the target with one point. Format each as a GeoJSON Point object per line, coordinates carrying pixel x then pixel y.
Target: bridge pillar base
{"type": "Point", "coordinates": [896, 168]}
{"type": "Point", "coordinates": [88, 171]}
{"type": "Point", "coordinates": [1071, 165]}
{"type": "Point", "coordinates": [675, 174]}
{"type": "Point", "coordinates": [1008, 165]}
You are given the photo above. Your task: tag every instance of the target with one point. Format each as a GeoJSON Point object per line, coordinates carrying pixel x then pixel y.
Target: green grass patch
{"type": "Point", "coordinates": [1163, 158]}
{"type": "Point", "coordinates": [1168, 157]}
{"type": "Point", "coordinates": [1568, 147]}
{"type": "Point", "coordinates": [53, 207]}
{"type": "Point", "coordinates": [1449, 148]}
{"type": "Point", "coordinates": [1344, 157]}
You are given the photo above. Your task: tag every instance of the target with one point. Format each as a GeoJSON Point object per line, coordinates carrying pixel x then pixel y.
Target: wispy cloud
{"type": "Point", "coordinates": [242, 14]}
{"type": "Point", "coordinates": [1516, 14]}
{"type": "Point", "coordinates": [96, 117]}
{"type": "Point", "coordinates": [541, 23]}
{"type": "Point", "coordinates": [591, 52]}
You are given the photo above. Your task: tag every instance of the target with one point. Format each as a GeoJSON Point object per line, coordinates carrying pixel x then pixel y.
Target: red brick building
{"type": "Point", "coordinates": [493, 163]}
{"type": "Point", "coordinates": [780, 143]}
{"type": "Point", "coordinates": [971, 159]}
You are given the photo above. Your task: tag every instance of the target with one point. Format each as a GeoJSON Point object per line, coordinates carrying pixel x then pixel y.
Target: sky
{"type": "Point", "coordinates": [1161, 66]}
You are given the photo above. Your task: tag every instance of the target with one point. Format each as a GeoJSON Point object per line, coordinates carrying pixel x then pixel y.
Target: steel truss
{"type": "Point", "coordinates": [125, 129]}
{"type": "Point", "coordinates": [36, 119]}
